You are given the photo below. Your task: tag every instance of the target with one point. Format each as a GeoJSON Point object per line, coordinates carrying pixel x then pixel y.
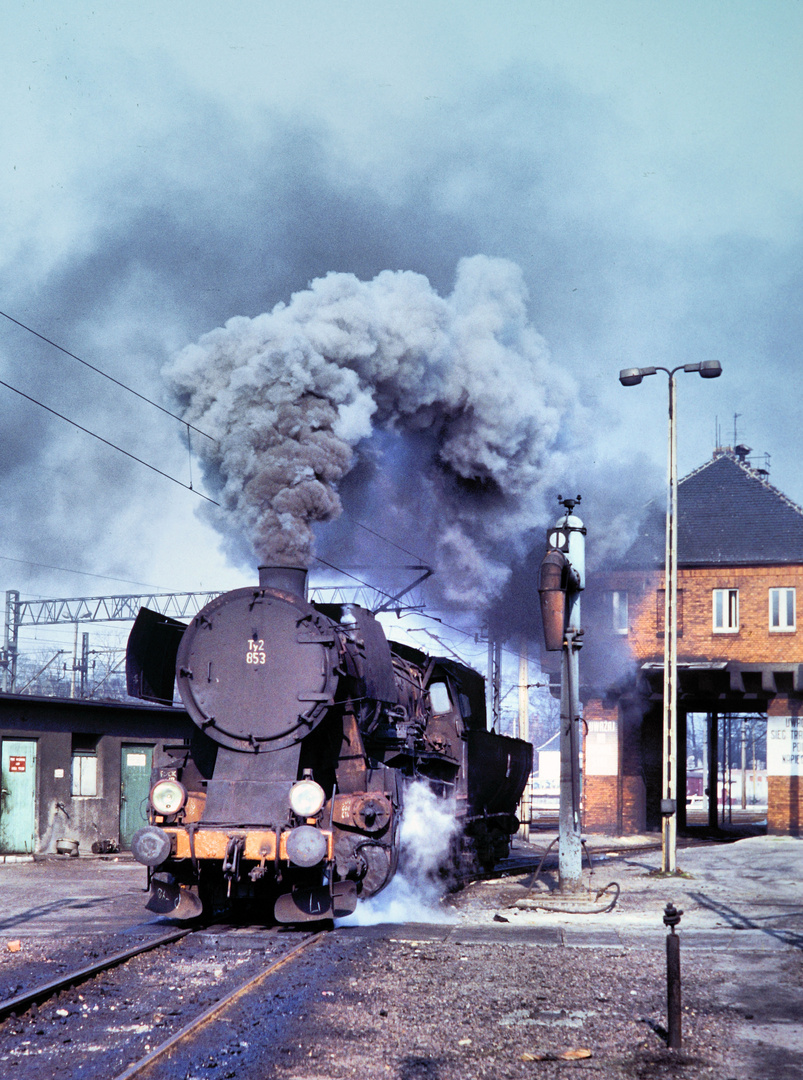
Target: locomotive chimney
{"type": "Point", "coordinates": [292, 579]}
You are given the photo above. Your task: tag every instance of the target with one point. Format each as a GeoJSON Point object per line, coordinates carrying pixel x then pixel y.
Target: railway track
{"type": "Point", "coordinates": [139, 1068]}
{"type": "Point", "coordinates": [20, 1003]}
{"type": "Point", "coordinates": [122, 1016]}
{"type": "Point", "coordinates": [519, 862]}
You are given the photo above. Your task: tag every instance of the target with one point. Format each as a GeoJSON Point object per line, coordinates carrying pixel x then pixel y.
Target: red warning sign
{"type": "Point", "coordinates": [16, 764]}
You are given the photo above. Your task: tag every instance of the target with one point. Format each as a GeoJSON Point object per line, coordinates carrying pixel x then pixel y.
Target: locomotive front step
{"type": "Point", "coordinates": [311, 905]}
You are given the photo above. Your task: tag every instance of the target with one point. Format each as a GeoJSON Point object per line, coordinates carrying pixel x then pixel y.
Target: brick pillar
{"type": "Point", "coordinates": [614, 792]}
{"type": "Point", "coordinates": [601, 796]}
{"type": "Point", "coordinates": [785, 766]}
{"type": "Point", "coordinates": [633, 788]}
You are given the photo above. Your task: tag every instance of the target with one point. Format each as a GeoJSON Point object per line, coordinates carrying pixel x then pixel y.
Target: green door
{"type": "Point", "coordinates": [18, 795]}
{"type": "Point", "coordinates": [135, 785]}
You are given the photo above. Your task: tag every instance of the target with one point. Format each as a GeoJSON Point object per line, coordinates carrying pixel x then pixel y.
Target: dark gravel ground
{"type": "Point", "coordinates": [408, 1003]}
{"type": "Point", "coordinates": [476, 997]}
{"type": "Point", "coordinates": [428, 1010]}
{"type": "Point", "coordinates": [103, 1024]}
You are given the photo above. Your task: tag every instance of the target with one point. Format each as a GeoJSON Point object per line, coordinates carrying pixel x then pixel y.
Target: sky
{"type": "Point", "coordinates": [168, 167]}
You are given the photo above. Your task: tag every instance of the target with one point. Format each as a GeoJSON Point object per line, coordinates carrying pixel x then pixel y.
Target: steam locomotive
{"type": "Point", "coordinates": [310, 725]}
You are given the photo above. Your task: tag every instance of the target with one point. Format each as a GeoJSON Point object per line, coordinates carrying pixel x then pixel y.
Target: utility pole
{"type": "Point", "coordinates": [74, 663]}
{"type": "Point", "coordinates": [493, 697]}
{"type": "Point", "coordinates": [713, 770]}
{"type": "Point", "coordinates": [524, 732]}
{"type": "Point", "coordinates": [562, 579]}
{"type": "Point", "coordinates": [10, 641]}
{"type": "Point", "coordinates": [83, 667]}
{"type": "Point", "coordinates": [497, 684]}
{"type": "Point", "coordinates": [744, 766]}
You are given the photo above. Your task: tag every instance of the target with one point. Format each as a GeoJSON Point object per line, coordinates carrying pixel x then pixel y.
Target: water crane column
{"type": "Point", "coordinates": [562, 580]}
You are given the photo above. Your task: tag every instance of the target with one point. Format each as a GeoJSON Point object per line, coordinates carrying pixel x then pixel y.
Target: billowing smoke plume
{"type": "Point", "coordinates": [461, 389]}
{"type": "Point", "coordinates": [428, 827]}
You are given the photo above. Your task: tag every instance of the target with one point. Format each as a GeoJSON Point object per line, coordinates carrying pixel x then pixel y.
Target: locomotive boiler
{"type": "Point", "coordinates": [310, 725]}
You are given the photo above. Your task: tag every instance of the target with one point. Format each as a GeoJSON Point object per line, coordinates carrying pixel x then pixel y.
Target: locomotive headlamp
{"type": "Point", "coordinates": [306, 846]}
{"type": "Point", "coordinates": [168, 797]}
{"type": "Point", "coordinates": [306, 798]}
{"type": "Point", "coordinates": [150, 845]}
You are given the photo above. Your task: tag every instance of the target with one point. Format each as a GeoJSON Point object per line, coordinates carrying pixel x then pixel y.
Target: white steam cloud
{"type": "Point", "coordinates": [428, 827]}
{"type": "Point", "coordinates": [294, 397]}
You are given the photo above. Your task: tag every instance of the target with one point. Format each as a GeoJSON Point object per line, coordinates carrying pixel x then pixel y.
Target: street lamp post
{"type": "Point", "coordinates": [708, 369]}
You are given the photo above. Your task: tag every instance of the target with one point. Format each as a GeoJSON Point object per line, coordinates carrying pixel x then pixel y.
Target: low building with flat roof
{"type": "Point", "coordinates": [77, 770]}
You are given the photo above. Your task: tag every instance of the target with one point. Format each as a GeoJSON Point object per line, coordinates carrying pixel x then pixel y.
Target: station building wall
{"type": "Point", "coordinates": [745, 666]}
{"type": "Point", "coordinates": [753, 641]}
{"type": "Point", "coordinates": [77, 770]}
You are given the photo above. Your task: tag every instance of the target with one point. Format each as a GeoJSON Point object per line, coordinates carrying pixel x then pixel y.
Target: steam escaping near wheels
{"type": "Point", "coordinates": [429, 829]}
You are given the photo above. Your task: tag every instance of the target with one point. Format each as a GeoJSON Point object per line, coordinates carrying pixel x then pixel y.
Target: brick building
{"type": "Point", "coordinates": [740, 572]}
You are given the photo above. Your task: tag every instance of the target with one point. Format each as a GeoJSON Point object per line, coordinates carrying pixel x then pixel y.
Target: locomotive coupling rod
{"type": "Point", "coordinates": [671, 919]}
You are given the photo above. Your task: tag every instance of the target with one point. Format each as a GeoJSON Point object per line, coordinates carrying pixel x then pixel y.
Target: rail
{"type": "Point", "coordinates": [144, 1063]}
{"type": "Point", "coordinates": [17, 1005]}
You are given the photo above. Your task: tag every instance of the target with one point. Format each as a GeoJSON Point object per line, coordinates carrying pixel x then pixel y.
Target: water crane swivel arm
{"type": "Point", "coordinates": [556, 578]}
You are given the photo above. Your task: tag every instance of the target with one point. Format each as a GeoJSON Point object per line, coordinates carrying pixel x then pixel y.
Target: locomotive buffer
{"type": "Point", "coordinates": [562, 579]}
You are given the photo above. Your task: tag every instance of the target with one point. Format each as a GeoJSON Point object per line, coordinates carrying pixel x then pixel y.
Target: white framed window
{"type": "Point", "coordinates": [782, 610]}
{"type": "Point", "coordinates": [726, 611]}
{"type": "Point", "coordinates": [85, 774]}
{"type": "Point", "coordinates": [619, 613]}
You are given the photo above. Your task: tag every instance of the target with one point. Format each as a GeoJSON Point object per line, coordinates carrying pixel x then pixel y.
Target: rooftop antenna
{"type": "Point", "coordinates": [736, 416]}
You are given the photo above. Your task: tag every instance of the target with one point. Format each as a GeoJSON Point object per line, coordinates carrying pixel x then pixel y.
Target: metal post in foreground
{"type": "Point", "coordinates": [570, 854]}
{"type": "Point", "coordinates": [671, 919]}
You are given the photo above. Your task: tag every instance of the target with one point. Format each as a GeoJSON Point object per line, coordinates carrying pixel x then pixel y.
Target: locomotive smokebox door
{"type": "Point", "coordinates": [256, 669]}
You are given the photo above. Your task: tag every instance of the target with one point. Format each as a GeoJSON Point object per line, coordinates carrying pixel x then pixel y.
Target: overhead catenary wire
{"type": "Point", "coordinates": [106, 375]}
{"type": "Point", "coordinates": [385, 539]}
{"type": "Point", "coordinates": [412, 554]}
{"type": "Point", "coordinates": [421, 614]}
{"type": "Point", "coordinates": [106, 442]}
{"type": "Point", "coordinates": [82, 573]}
{"type": "Point", "coordinates": [359, 581]}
